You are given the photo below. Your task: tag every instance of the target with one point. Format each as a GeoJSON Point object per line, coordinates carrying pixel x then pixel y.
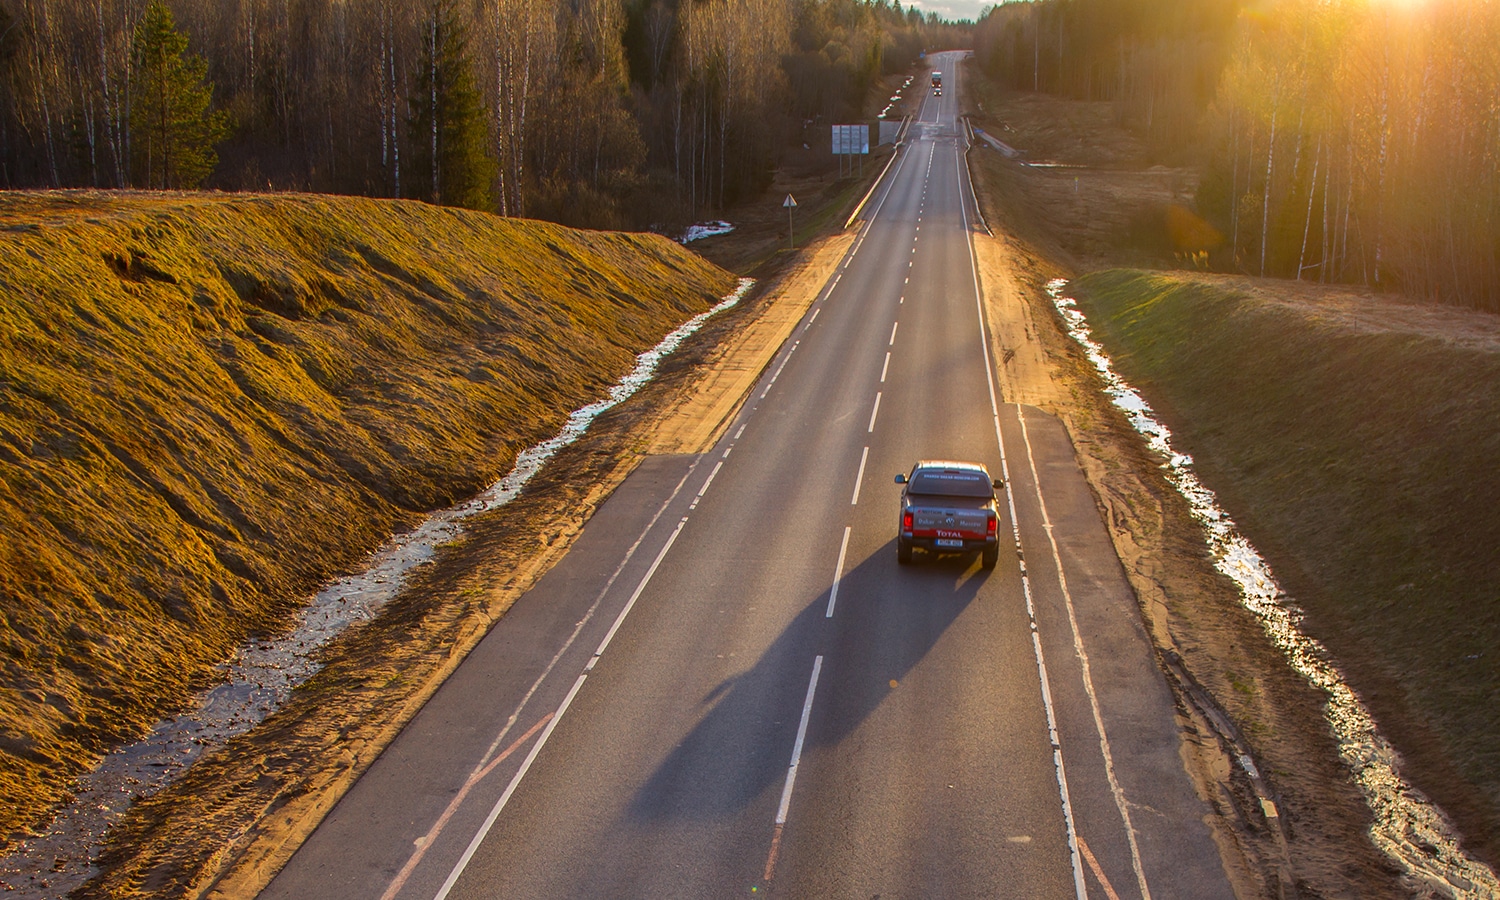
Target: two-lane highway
{"type": "Point", "coordinates": [730, 686]}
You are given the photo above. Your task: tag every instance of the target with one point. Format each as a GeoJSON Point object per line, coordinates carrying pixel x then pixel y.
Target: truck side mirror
{"type": "Point", "coordinates": [999, 483]}
{"type": "Point", "coordinates": [901, 479]}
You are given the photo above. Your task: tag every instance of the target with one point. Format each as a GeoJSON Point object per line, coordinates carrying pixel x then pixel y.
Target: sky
{"type": "Point", "coordinates": [953, 9]}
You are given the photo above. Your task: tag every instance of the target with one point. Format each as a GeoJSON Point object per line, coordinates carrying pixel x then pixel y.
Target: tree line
{"type": "Point", "coordinates": [1158, 61]}
{"type": "Point", "coordinates": [1342, 141]}
{"type": "Point", "coordinates": [592, 112]}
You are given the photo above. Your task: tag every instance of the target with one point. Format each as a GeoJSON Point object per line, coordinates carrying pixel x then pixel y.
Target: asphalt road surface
{"type": "Point", "coordinates": [729, 687]}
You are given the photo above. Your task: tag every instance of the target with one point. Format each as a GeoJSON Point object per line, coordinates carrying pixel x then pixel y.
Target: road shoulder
{"type": "Point", "coordinates": [1235, 693]}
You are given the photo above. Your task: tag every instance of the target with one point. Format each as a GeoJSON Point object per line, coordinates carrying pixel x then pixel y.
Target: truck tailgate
{"type": "Point", "coordinates": [932, 521]}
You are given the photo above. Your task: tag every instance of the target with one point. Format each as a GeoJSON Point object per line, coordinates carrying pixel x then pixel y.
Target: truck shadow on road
{"type": "Point", "coordinates": [888, 619]}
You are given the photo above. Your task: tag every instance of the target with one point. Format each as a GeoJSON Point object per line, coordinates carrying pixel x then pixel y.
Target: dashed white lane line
{"type": "Point", "coordinates": [786, 359]}
{"type": "Point", "coordinates": [885, 367]}
{"type": "Point", "coordinates": [873, 413]}
{"type": "Point", "coordinates": [815, 315]}
{"type": "Point", "coordinates": [838, 574]}
{"type": "Point", "coordinates": [536, 749]}
{"type": "Point", "coordinates": [860, 478]}
{"type": "Point", "coordinates": [892, 341]}
{"type": "Point", "coordinates": [741, 431]}
{"type": "Point", "coordinates": [708, 481]}
{"type": "Point", "coordinates": [791, 772]}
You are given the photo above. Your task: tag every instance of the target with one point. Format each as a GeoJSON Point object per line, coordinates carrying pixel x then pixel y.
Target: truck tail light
{"type": "Point", "coordinates": [993, 526]}
{"type": "Point", "coordinates": [906, 522]}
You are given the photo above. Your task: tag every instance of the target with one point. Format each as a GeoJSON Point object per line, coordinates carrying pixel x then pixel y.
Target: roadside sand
{"type": "Point", "coordinates": [694, 419]}
{"type": "Point", "coordinates": [1021, 361]}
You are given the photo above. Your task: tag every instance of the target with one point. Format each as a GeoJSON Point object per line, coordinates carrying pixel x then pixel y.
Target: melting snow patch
{"type": "Point", "coordinates": [705, 229]}
{"type": "Point", "coordinates": [264, 673]}
{"type": "Point", "coordinates": [1408, 827]}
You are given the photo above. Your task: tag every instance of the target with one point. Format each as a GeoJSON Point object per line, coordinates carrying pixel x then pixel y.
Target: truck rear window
{"type": "Point", "coordinates": [950, 484]}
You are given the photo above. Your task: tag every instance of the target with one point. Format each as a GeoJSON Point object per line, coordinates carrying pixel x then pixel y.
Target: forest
{"type": "Point", "coordinates": [600, 113]}
{"type": "Point", "coordinates": [1342, 141]}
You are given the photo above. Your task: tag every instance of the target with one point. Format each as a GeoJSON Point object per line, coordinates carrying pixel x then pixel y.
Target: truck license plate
{"type": "Point", "coordinates": [948, 542]}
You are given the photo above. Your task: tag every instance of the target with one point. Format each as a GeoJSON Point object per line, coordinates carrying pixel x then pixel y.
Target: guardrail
{"type": "Point", "coordinates": [900, 143]}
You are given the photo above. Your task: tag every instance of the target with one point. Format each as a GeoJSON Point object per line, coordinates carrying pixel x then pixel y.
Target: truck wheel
{"type": "Point", "coordinates": [903, 551]}
{"type": "Point", "coordinates": [989, 557]}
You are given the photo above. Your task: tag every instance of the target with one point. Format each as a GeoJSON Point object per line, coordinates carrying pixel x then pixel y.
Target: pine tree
{"type": "Point", "coordinates": [451, 161]}
{"type": "Point", "coordinates": [173, 131]}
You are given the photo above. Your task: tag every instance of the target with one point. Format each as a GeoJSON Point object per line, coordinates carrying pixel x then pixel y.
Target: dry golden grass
{"type": "Point", "coordinates": [210, 404]}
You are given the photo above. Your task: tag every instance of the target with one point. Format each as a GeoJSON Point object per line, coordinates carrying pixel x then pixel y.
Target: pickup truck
{"type": "Point", "coordinates": [949, 507]}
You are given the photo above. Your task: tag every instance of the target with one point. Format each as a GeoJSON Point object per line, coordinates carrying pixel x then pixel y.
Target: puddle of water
{"type": "Point", "coordinates": [1408, 828]}
{"type": "Point", "coordinates": [263, 673]}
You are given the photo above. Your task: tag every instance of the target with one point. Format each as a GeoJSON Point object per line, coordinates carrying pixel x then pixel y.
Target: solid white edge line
{"type": "Point", "coordinates": [791, 772]}
{"type": "Point", "coordinates": [838, 575]}
{"type": "Point", "coordinates": [860, 478]}
{"type": "Point", "coordinates": [636, 595]}
{"type": "Point", "coordinates": [1088, 681]}
{"type": "Point", "coordinates": [1080, 891]}
{"type": "Point", "coordinates": [873, 413]}
{"type": "Point", "coordinates": [515, 781]}
{"type": "Point", "coordinates": [777, 374]}
{"type": "Point", "coordinates": [710, 479]}
{"type": "Point", "coordinates": [578, 629]}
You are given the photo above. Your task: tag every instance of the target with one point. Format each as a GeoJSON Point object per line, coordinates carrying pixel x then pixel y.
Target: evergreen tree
{"type": "Point", "coordinates": [451, 161]}
{"type": "Point", "coordinates": [173, 131]}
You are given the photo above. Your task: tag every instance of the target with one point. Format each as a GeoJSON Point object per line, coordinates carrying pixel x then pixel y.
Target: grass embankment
{"type": "Point", "coordinates": [1354, 440]}
{"type": "Point", "coordinates": [210, 405]}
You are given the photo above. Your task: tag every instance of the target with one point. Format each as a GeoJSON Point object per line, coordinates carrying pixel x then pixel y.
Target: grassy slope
{"type": "Point", "coordinates": [1362, 465]}
{"type": "Point", "coordinates": [208, 405]}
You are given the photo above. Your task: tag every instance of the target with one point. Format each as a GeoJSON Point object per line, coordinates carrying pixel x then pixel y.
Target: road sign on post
{"type": "Point", "coordinates": [790, 203]}
{"type": "Point", "coordinates": [851, 140]}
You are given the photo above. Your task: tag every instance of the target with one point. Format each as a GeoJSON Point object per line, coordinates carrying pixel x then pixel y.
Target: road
{"type": "Point", "coordinates": [730, 687]}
